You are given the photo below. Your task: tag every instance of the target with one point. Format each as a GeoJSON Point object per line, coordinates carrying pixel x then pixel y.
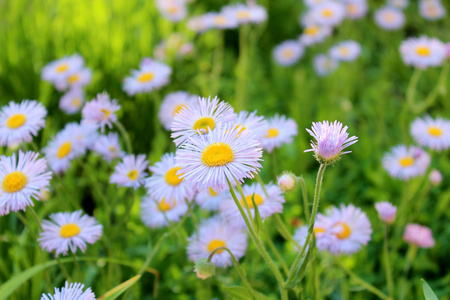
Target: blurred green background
{"type": "Point", "coordinates": [367, 95]}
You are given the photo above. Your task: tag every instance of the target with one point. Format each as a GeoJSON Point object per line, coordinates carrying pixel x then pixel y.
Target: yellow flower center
{"type": "Point", "coordinates": [178, 108]}
{"type": "Point", "coordinates": [435, 131]}
{"type": "Point", "coordinates": [214, 244]}
{"type": "Point", "coordinates": [62, 68]}
{"type": "Point", "coordinates": [14, 182]}
{"type": "Point", "coordinates": [311, 30]}
{"type": "Point", "coordinates": [112, 149]}
{"type": "Point", "coordinates": [243, 14]}
{"type": "Point", "coordinates": [146, 77]}
{"type": "Point", "coordinates": [352, 8]}
{"type": "Point", "coordinates": [220, 20]}
{"type": "Point", "coordinates": [133, 174]}
{"type": "Point", "coordinates": [344, 51]}
{"type": "Point", "coordinates": [171, 176]}
{"type": "Point", "coordinates": [73, 78]}
{"type": "Point", "coordinates": [173, 9]}
{"type": "Point", "coordinates": [64, 150]}
{"type": "Point", "coordinates": [217, 154]}
{"type": "Point", "coordinates": [406, 161]}
{"type": "Point", "coordinates": [76, 102]}
{"type": "Point", "coordinates": [423, 51]}
{"type": "Point", "coordinates": [389, 17]}
{"type": "Point", "coordinates": [69, 230]}
{"type": "Point", "coordinates": [204, 123]}
{"type": "Point", "coordinates": [258, 200]}
{"type": "Point", "coordinates": [272, 132]}
{"type": "Point", "coordinates": [345, 232]}
{"type": "Point", "coordinates": [164, 206]}
{"type": "Point", "coordinates": [212, 192]}
{"type": "Point", "coordinates": [16, 121]}
{"type": "Point", "coordinates": [106, 113]}
{"type": "Point", "coordinates": [288, 53]}
{"type": "Point", "coordinates": [327, 13]}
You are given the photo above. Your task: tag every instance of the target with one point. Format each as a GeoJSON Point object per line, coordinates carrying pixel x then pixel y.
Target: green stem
{"type": "Point", "coordinates": [410, 256]}
{"type": "Point", "coordinates": [259, 245]}
{"type": "Point", "coordinates": [126, 137]}
{"type": "Point", "coordinates": [305, 197]}
{"type": "Point", "coordinates": [241, 82]}
{"type": "Point", "coordinates": [26, 224]}
{"type": "Point", "coordinates": [247, 206]}
{"type": "Point", "coordinates": [75, 261]}
{"type": "Point", "coordinates": [35, 216]}
{"type": "Point", "coordinates": [411, 90]}
{"type": "Point", "coordinates": [365, 284]}
{"type": "Point", "coordinates": [261, 182]}
{"type": "Point", "coordinates": [387, 264]}
{"type": "Point", "coordinates": [440, 88]}
{"type": "Point", "coordinates": [274, 164]}
{"type": "Point", "coordinates": [275, 252]}
{"type": "Point", "coordinates": [238, 267]}
{"type": "Point", "coordinates": [284, 231]}
{"type": "Point", "coordinates": [63, 269]}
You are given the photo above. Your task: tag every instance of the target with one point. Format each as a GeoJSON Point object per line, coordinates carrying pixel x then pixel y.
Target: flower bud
{"type": "Point", "coordinates": [386, 211]}
{"type": "Point", "coordinates": [435, 177]}
{"type": "Point", "coordinates": [204, 268]}
{"type": "Point", "coordinates": [418, 235]}
{"type": "Point", "coordinates": [287, 181]}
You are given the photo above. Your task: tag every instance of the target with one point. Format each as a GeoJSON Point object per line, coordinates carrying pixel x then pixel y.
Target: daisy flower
{"type": "Point", "coordinates": [199, 24]}
{"type": "Point", "coordinates": [300, 235]}
{"type": "Point", "coordinates": [418, 235]}
{"type": "Point", "coordinates": [221, 21]}
{"type": "Point", "coordinates": [280, 130]}
{"type": "Point", "coordinates": [314, 34]}
{"type": "Point", "coordinates": [346, 229]}
{"type": "Point", "coordinates": [307, 19]}
{"type": "Point", "coordinates": [331, 140]}
{"type": "Point", "coordinates": [19, 122]}
{"type": "Point", "coordinates": [130, 171]}
{"type": "Point", "coordinates": [60, 69]}
{"type": "Point", "coordinates": [435, 177]}
{"type": "Point", "coordinates": [404, 162]}
{"type": "Point", "coordinates": [200, 117]}
{"type": "Point", "coordinates": [324, 64]}
{"type": "Point", "coordinates": [431, 133]}
{"type": "Point", "coordinates": [208, 160]}
{"type": "Point", "coordinates": [173, 10]}
{"type": "Point", "coordinates": [67, 231]}
{"type": "Point", "coordinates": [100, 111]}
{"type": "Point", "coordinates": [84, 135]}
{"type": "Point", "coordinates": [210, 199]}
{"type": "Point", "coordinates": [431, 9]}
{"type": "Point", "coordinates": [423, 52]}
{"type": "Point", "coordinates": [73, 291]}
{"type": "Point", "coordinates": [214, 233]}
{"type": "Point", "coordinates": [251, 121]}
{"type": "Point", "coordinates": [151, 75]}
{"type": "Point", "coordinates": [74, 79]}
{"type": "Point", "coordinates": [267, 205]}
{"type": "Point", "coordinates": [108, 147]}
{"type": "Point", "coordinates": [288, 53]}
{"type": "Point", "coordinates": [72, 101]}
{"type": "Point", "coordinates": [172, 104]}
{"type": "Point", "coordinates": [312, 3]}
{"type": "Point", "coordinates": [156, 214]}
{"type": "Point", "coordinates": [386, 211]}
{"type": "Point", "coordinates": [165, 183]}
{"type": "Point", "coordinates": [389, 18]}
{"type": "Point", "coordinates": [244, 14]}
{"type": "Point", "coordinates": [346, 51]}
{"type": "Point", "coordinates": [402, 4]}
{"type": "Point", "coordinates": [22, 177]}
{"type": "Point", "coordinates": [329, 13]}
{"type": "Point", "coordinates": [356, 9]}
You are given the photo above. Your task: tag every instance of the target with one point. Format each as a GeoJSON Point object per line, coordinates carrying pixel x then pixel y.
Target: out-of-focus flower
{"type": "Point", "coordinates": [423, 52]}
{"type": "Point", "coordinates": [157, 214]}
{"type": "Point", "coordinates": [329, 13]}
{"type": "Point", "coordinates": [287, 181]}
{"type": "Point", "coordinates": [279, 131]}
{"type": "Point", "coordinates": [199, 24]}
{"type": "Point", "coordinates": [251, 121]}
{"type": "Point", "coordinates": [325, 65]}
{"type": "Point", "coordinates": [175, 45]}
{"type": "Point", "coordinates": [130, 171]}
{"type": "Point", "coordinates": [418, 235]}
{"type": "Point", "coordinates": [151, 75]}
{"type": "Point", "coordinates": [406, 162]}
{"type": "Point", "coordinates": [432, 9]}
{"type": "Point", "coordinates": [108, 147]}
{"type": "Point", "coordinates": [288, 52]}
{"type": "Point", "coordinates": [300, 235]}
{"type": "Point", "coordinates": [431, 133]}
{"type": "Point", "coordinates": [173, 10]}
{"type": "Point", "coordinates": [221, 20]}
{"type": "Point", "coordinates": [210, 199]}
{"type": "Point", "coordinates": [435, 177]}
{"type": "Point", "coordinates": [250, 13]}
{"type": "Point", "coordinates": [72, 101]}
{"type": "Point", "coordinates": [356, 9]}
{"type": "Point", "coordinates": [314, 34]}
{"type": "Point", "coordinates": [389, 18]}
{"type": "Point", "coordinates": [100, 111]}
{"type": "Point", "coordinates": [73, 291]}
{"type": "Point", "coordinates": [172, 104]}
{"type": "Point", "coordinates": [346, 51]}
{"type": "Point", "coordinates": [402, 4]}
{"type": "Point", "coordinates": [59, 70]}
{"type": "Point", "coordinates": [386, 211]}
{"type": "Point", "coordinates": [74, 79]}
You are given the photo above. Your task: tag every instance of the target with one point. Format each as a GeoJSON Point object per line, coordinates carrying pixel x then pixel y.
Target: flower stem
{"type": "Point", "coordinates": [35, 216]}
{"type": "Point", "coordinates": [387, 265]}
{"type": "Point", "coordinates": [275, 252]}
{"type": "Point", "coordinates": [26, 224]}
{"type": "Point", "coordinates": [238, 267]}
{"type": "Point", "coordinates": [126, 137]}
{"type": "Point", "coordinates": [365, 284]}
{"type": "Point", "coordinates": [411, 90]}
{"type": "Point", "coordinates": [63, 269]}
{"type": "Point", "coordinates": [247, 206]}
{"type": "Point", "coordinates": [305, 197]}
{"type": "Point", "coordinates": [410, 256]}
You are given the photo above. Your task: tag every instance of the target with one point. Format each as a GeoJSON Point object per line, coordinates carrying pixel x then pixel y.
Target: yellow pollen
{"type": "Point", "coordinates": [220, 20]}
{"type": "Point", "coordinates": [73, 78]}
{"type": "Point", "coordinates": [258, 200]}
{"type": "Point", "coordinates": [318, 230]}
{"type": "Point", "coordinates": [76, 102]}
{"type": "Point", "coordinates": [344, 51]}
{"type": "Point", "coordinates": [423, 51]}
{"type": "Point", "coordinates": [272, 132]}
{"type": "Point", "coordinates": [16, 121]}
{"type": "Point", "coordinates": [133, 174]}
{"type": "Point", "coordinates": [214, 244]}
{"type": "Point", "coordinates": [171, 176]}
{"type": "Point", "coordinates": [178, 108]}
{"type": "Point", "coordinates": [62, 68]}
{"type": "Point", "coordinates": [435, 131]}
{"type": "Point", "coordinates": [243, 14]}
{"type": "Point", "coordinates": [14, 182]}
{"type": "Point", "coordinates": [389, 17]}
{"type": "Point", "coordinates": [173, 9]}
{"type": "Point", "coordinates": [406, 161]}
{"type": "Point", "coordinates": [146, 77]}
{"type": "Point", "coordinates": [204, 123]}
{"type": "Point", "coordinates": [346, 231]}
{"type": "Point", "coordinates": [69, 230]}
{"type": "Point", "coordinates": [106, 113]}
{"type": "Point", "coordinates": [217, 154]}
{"type": "Point", "coordinates": [112, 149]}
{"type": "Point", "coordinates": [288, 53]}
{"type": "Point", "coordinates": [64, 150]}
{"type": "Point", "coordinates": [164, 206]}
{"type": "Point", "coordinates": [212, 192]}
{"type": "Point", "coordinates": [352, 8]}
{"type": "Point", "coordinates": [311, 30]}
{"type": "Point", "coordinates": [327, 13]}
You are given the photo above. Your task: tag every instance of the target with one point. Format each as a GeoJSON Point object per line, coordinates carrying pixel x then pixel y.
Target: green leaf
{"type": "Point", "coordinates": [120, 289]}
{"type": "Point", "coordinates": [241, 293]}
{"type": "Point", "coordinates": [257, 218]}
{"type": "Point", "coordinates": [428, 292]}
{"type": "Point", "coordinates": [301, 270]}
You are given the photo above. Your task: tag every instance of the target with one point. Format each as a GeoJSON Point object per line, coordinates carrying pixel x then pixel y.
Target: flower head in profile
{"type": "Point", "coordinates": [432, 9]}
{"type": "Point", "coordinates": [210, 159]}
{"type": "Point", "coordinates": [22, 178]}
{"type": "Point", "coordinates": [356, 9]}
{"type": "Point", "coordinates": [69, 231]}
{"type": "Point", "coordinates": [331, 140]}
{"type": "Point", "coordinates": [19, 122]}
{"type": "Point", "coordinates": [288, 53]}
{"type": "Point", "coordinates": [423, 52]}
{"type": "Point", "coordinates": [151, 75]}
{"type": "Point", "coordinates": [418, 235]}
{"type": "Point", "coordinates": [172, 104]}
{"type": "Point", "coordinates": [211, 199]}
{"type": "Point", "coordinates": [324, 64]}
{"type": "Point", "coordinates": [75, 79]}
{"type": "Point", "coordinates": [72, 101]}
{"type": "Point", "coordinates": [200, 117]}
{"type": "Point", "coordinates": [279, 131]}
{"type": "Point", "coordinates": [404, 162]}
{"type": "Point", "coordinates": [386, 211]}
{"type": "Point", "coordinates": [199, 23]}
{"type": "Point", "coordinates": [287, 181]}
{"type": "Point", "coordinates": [173, 10]}
{"type": "Point", "coordinates": [346, 51]}
{"type": "Point", "coordinates": [108, 147]}
{"type": "Point", "coordinates": [244, 14]}
{"type": "Point", "coordinates": [159, 213]}
{"type": "Point", "coordinates": [214, 233]}
{"type": "Point", "coordinates": [431, 133]}
{"type": "Point", "coordinates": [342, 230]}
{"type": "Point", "coordinates": [73, 291]}
{"type": "Point", "coordinates": [59, 70]}
{"type": "Point", "coordinates": [329, 13]}
{"type": "Point", "coordinates": [130, 172]}
{"type": "Point", "coordinates": [435, 177]}
{"type": "Point", "coordinates": [389, 18]}
{"type": "Point", "coordinates": [220, 20]}
{"type": "Point", "coordinates": [313, 34]}
{"type": "Point", "coordinates": [101, 111]}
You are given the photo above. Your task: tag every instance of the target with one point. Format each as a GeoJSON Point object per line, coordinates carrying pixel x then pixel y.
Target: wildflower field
{"type": "Point", "coordinates": [211, 149]}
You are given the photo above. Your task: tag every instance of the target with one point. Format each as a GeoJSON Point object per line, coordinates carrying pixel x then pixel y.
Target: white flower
{"type": "Point", "coordinates": [151, 75]}
{"type": "Point", "coordinates": [72, 101]}
{"type": "Point", "coordinates": [100, 111]}
{"type": "Point", "coordinates": [130, 171]}
{"type": "Point", "coordinates": [156, 214]}
{"type": "Point", "coordinates": [279, 131]}
{"type": "Point", "coordinates": [346, 51]}
{"type": "Point", "coordinates": [325, 65]}
{"type": "Point", "coordinates": [389, 18]}
{"type": "Point", "coordinates": [423, 52]}
{"type": "Point", "coordinates": [288, 52]}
